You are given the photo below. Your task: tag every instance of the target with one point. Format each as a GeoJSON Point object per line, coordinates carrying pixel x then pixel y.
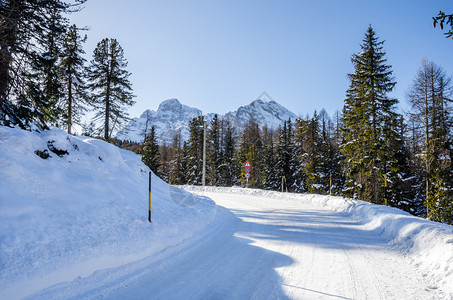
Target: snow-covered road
{"type": "Point", "coordinates": [264, 248]}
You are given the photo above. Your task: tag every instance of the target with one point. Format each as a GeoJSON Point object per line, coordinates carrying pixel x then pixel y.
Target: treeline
{"type": "Point", "coordinates": [367, 151]}
{"type": "Point", "coordinates": [44, 78]}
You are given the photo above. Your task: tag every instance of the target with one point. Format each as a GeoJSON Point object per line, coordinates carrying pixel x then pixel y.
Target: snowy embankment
{"type": "Point", "coordinates": [428, 245]}
{"type": "Point", "coordinates": [81, 209]}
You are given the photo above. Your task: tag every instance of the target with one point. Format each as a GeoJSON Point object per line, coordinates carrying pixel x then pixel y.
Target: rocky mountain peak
{"type": "Point", "coordinates": [170, 105]}
{"type": "Point", "coordinates": [173, 117]}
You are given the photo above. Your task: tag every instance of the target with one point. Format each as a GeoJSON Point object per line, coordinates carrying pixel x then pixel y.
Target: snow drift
{"type": "Point", "coordinates": [72, 205]}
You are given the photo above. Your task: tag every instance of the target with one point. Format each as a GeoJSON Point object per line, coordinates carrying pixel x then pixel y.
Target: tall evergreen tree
{"type": "Point", "coordinates": [272, 179]}
{"type": "Point", "coordinates": [300, 137]}
{"type": "Point", "coordinates": [285, 164]}
{"type": "Point", "coordinates": [72, 67]}
{"type": "Point", "coordinates": [402, 181]}
{"type": "Point", "coordinates": [166, 154]}
{"type": "Point", "coordinates": [329, 175]}
{"type": "Point", "coordinates": [366, 112]}
{"type": "Point", "coordinates": [194, 151]}
{"type": "Point", "coordinates": [228, 173]}
{"type": "Point", "coordinates": [178, 164]}
{"type": "Point", "coordinates": [150, 151]}
{"type": "Point", "coordinates": [214, 152]}
{"type": "Point", "coordinates": [317, 180]}
{"type": "Point", "coordinates": [112, 91]}
{"type": "Point", "coordinates": [28, 53]}
{"type": "Point", "coordinates": [47, 65]}
{"type": "Point", "coordinates": [334, 157]}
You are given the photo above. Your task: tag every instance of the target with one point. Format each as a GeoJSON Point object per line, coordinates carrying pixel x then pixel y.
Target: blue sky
{"type": "Point", "coordinates": [219, 55]}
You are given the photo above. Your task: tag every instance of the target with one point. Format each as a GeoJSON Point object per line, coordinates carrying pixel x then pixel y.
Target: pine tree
{"type": "Point", "coordinates": [228, 173]}
{"type": "Point", "coordinates": [272, 180]}
{"type": "Point", "coordinates": [329, 158]}
{"type": "Point", "coordinates": [285, 164]}
{"type": "Point", "coordinates": [166, 154]}
{"type": "Point", "coordinates": [300, 180]}
{"type": "Point", "coordinates": [112, 91]}
{"type": "Point", "coordinates": [194, 151]}
{"type": "Point", "coordinates": [317, 180]}
{"type": "Point", "coordinates": [177, 173]}
{"type": "Point", "coordinates": [399, 181]}
{"type": "Point", "coordinates": [72, 66]}
{"type": "Point", "coordinates": [366, 112]}
{"type": "Point", "coordinates": [150, 151]}
{"type": "Point", "coordinates": [335, 157]}
{"type": "Point", "coordinates": [47, 65]}
{"type": "Point", "coordinates": [31, 103]}
{"type": "Point", "coordinates": [214, 152]}
{"type": "Point", "coordinates": [28, 54]}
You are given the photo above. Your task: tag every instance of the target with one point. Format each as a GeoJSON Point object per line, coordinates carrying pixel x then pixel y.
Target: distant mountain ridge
{"type": "Point", "coordinates": [173, 117]}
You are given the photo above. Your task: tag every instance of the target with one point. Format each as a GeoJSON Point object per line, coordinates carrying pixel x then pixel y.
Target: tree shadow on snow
{"type": "Point", "coordinates": [325, 229]}
{"type": "Point", "coordinates": [214, 265]}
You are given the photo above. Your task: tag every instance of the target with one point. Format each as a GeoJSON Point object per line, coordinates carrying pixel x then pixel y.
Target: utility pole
{"type": "Point", "coordinates": [204, 154]}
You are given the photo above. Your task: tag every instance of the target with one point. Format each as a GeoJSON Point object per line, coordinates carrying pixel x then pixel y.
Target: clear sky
{"type": "Point", "coordinates": [219, 55]}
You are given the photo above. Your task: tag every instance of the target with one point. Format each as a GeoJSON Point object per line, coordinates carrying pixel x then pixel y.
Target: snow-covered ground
{"type": "Point", "coordinates": [63, 218]}
{"type": "Point", "coordinates": [346, 248]}
{"type": "Point", "coordinates": [76, 226]}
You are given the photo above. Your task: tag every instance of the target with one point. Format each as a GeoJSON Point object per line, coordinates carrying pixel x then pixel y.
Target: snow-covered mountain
{"type": "Point", "coordinates": [268, 113]}
{"type": "Point", "coordinates": [172, 117]}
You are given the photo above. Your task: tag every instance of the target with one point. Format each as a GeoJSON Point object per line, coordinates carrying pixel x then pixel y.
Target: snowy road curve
{"type": "Point", "coordinates": [264, 248]}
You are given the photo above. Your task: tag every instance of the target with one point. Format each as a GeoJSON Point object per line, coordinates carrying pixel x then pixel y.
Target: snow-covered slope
{"type": "Point", "coordinates": [172, 117]}
{"type": "Point", "coordinates": [82, 209]}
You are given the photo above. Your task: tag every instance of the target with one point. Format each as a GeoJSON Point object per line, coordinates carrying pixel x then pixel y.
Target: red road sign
{"type": "Point", "coordinates": [247, 164]}
{"type": "Point", "coordinates": [247, 175]}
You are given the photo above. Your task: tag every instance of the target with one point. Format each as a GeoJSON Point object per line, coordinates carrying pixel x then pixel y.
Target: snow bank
{"type": "Point", "coordinates": [81, 209]}
{"type": "Point", "coordinates": [429, 245]}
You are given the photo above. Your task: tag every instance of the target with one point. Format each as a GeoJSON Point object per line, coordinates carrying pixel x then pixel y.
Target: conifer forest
{"type": "Point", "coordinates": [368, 150]}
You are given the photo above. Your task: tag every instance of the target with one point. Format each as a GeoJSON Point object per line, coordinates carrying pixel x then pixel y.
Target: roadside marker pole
{"type": "Point", "coordinates": [149, 197]}
{"type": "Point", "coordinates": [284, 184]}
{"type": "Point", "coordinates": [385, 189]}
{"type": "Point", "coordinates": [330, 186]}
